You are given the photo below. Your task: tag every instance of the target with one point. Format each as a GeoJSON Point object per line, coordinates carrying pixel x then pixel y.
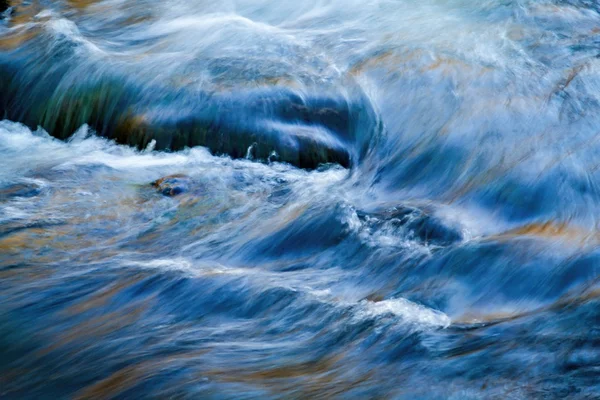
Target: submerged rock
{"type": "Point", "coordinates": [75, 80]}
{"type": "Point", "coordinates": [173, 185]}
{"type": "Point", "coordinates": [20, 189]}
{"type": "Point", "coordinates": [305, 128]}
{"type": "Point", "coordinates": [422, 225]}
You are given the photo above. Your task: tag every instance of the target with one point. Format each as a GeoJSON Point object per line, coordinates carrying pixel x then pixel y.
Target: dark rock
{"type": "Point", "coordinates": [173, 185]}
{"type": "Point", "coordinates": [274, 157]}
{"type": "Point", "coordinates": [424, 226]}
{"type": "Point", "coordinates": [21, 189]}
{"type": "Point", "coordinates": [258, 129]}
{"type": "Point", "coordinates": [305, 131]}
{"type": "Point", "coordinates": [4, 5]}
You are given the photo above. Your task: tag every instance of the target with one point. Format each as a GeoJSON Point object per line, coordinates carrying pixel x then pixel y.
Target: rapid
{"type": "Point", "coordinates": [319, 199]}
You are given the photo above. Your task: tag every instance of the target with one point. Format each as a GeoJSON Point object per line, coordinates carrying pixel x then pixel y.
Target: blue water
{"type": "Point", "coordinates": [320, 199]}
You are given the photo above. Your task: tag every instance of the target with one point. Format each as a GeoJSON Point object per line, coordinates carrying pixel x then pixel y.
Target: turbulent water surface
{"type": "Point", "coordinates": [300, 199]}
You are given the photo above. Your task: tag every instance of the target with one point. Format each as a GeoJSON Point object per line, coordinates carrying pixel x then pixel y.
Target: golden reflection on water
{"type": "Point", "coordinates": [17, 38]}
{"type": "Point", "coordinates": [552, 230]}
{"type": "Point", "coordinates": [327, 377]}
{"type": "Point", "coordinates": [96, 328]}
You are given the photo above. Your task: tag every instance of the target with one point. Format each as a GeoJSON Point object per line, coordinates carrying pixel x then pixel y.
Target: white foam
{"type": "Point", "coordinates": [406, 310]}
{"type": "Point", "coordinates": [67, 29]}
{"type": "Point", "coordinates": [190, 268]}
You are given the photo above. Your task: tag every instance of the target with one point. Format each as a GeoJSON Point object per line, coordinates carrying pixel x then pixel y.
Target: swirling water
{"type": "Point", "coordinates": [317, 199]}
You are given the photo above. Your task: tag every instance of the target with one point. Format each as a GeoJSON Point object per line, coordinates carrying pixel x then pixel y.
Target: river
{"type": "Point", "coordinates": [320, 199]}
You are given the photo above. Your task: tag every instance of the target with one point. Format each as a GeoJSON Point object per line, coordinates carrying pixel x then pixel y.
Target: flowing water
{"type": "Point", "coordinates": [311, 199]}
